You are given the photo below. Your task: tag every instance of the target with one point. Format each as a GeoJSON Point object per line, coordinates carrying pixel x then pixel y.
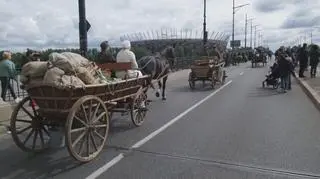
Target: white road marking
{"type": "Point", "coordinates": [241, 73]}
{"type": "Point", "coordinates": [172, 121]}
{"type": "Point", "coordinates": [115, 160]}
{"type": "Point", "coordinates": [105, 167]}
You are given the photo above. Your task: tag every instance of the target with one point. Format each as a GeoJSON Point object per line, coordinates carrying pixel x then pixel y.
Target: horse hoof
{"type": "Point", "coordinates": [157, 94]}
{"type": "Point", "coordinates": [164, 98]}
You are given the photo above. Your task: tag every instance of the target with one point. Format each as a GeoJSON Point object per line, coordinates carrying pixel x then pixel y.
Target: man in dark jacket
{"type": "Point", "coordinates": [285, 70]}
{"type": "Point", "coordinates": [314, 60]}
{"type": "Point", "coordinates": [106, 55]}
{"type": "Point", "coordinates": [303, 60]}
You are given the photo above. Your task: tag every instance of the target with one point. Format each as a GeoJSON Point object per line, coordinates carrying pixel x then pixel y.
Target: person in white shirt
{"type": "Point", "coordinates": [126, 55]}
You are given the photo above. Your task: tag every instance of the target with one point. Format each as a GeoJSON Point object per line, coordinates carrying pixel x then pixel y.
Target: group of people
{"type": "Point", "coordinates": [287, 59]}
{"type": "Point", "coordinates": [124, 55]}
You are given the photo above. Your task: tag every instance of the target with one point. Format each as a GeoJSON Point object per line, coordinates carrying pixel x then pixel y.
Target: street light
{"type": "Point", "coordinates": [205, 33]}
{"type": "Point", "coordinates": [246, 25]}
{"type": "Point", "coordinates": [82, 28]}
{"type": "Point", "coordinates": [255, 34]}
{"type": "Point", "coordinates": [233, 13]}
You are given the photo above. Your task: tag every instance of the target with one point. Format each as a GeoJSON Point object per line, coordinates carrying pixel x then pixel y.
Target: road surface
{"type": "Point", "coordinates": [237, 131]}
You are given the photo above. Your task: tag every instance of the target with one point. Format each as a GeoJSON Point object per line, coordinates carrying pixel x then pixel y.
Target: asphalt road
{"type": "Point", "coordinates": [238, 131]}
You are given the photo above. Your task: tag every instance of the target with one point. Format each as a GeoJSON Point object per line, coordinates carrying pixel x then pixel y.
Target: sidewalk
{"type": "Point", "coordinates": [311, 86]}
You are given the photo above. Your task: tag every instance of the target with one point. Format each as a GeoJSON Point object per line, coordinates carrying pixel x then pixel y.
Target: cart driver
{"type": "Point", "coordinates": [126, 55]}
{"type": "Point", "coordinates": [215, 52]}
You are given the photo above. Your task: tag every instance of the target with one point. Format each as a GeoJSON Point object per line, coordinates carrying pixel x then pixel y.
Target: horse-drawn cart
{"type": "Point", "coordinates": [83, 112]}
{"type": "Point", "coordinates": [259, 58]}
{"type": "Point", "coordinates": [207, 70]}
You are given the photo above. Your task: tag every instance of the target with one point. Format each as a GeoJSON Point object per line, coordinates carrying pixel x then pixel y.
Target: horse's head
{"type": "Point", "coordinates": [169, 54]}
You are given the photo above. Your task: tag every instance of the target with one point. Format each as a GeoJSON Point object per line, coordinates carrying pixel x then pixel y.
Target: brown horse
{"type": "Point", "coordinates": [158, 67]}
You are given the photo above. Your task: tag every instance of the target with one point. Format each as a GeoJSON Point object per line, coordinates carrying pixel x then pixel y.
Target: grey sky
{"type": "Point", "coordinates": [54, 23]}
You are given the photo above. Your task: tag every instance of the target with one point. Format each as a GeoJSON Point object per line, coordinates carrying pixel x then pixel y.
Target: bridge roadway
{"type": "Point", "coordinates": [239, 131]}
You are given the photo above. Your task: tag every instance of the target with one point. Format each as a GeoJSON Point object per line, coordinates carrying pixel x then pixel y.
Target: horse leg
{"type": "Point", "coordinates": [164, 81]}
{"type": "Point", "coordinates": [158, 90]}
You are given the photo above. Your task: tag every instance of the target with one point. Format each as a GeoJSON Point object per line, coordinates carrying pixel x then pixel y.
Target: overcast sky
{"type": "Point", "coordinates": [54, 23]}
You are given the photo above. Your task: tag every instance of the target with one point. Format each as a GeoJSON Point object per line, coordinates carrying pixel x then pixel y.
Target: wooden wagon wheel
{"type": "Point", "coordinates": [191, 80]}
{"type": "Point", "coordinates": [87, 128]}
{"type": "Point", "coordinates": [27, 127]}
{"type": "Point", "coordinates": [138, 110]}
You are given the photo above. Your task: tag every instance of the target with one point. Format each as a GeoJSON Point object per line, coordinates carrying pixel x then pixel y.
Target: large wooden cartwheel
{"type": "Point", "coordinates": [138, 110]}
{"type": "Point", "coordinates": [28, 128]}
{"type": "Point", "coordinates": [87, 128]}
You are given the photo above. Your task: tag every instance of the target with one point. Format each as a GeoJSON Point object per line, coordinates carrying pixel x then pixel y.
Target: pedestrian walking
{"type": "Point", "coordinates": [7, 72]}
{"type": "Point", "coordinates": [314, 60]}
{"type": "Point", "coordinates": [303, 60]}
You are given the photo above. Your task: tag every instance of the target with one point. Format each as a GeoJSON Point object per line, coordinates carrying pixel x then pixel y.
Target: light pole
{"type": "Point", "coordinates": [233, 13]}
{"type": "Point", "coordinates": [82, 28]}
{"type": "Point", "coordinates": [255, 35]}
{"type": "Point", "coordinates": [256, 40]}
{"type": "Point", "coordinates": [205, 33]}
{"type": "Point", "coordinates": [246, 31]}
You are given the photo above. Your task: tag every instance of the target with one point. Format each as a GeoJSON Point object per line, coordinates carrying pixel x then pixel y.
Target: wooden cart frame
{"type": "Point", "coordinates": [83, 112]}
{"type": "Point", "coordinates": [207, 70]}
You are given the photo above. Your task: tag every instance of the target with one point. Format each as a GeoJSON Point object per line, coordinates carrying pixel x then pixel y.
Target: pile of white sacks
{"type": "Point", "coordinates": [63, 70]}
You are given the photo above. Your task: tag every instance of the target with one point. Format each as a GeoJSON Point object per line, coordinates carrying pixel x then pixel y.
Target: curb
{"type": "Point", "coordinates": [311, 93]}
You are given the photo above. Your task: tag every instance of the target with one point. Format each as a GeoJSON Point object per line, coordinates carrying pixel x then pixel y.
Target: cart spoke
{"type": "Point", "coordinates": [99, 117]}
{"type": "Point", "coordinates": [81, 147]}
{"type": "Point", "coordinates": [34, 139]}
{"type": "Point", "coordinates": [93, 141]}
{"type": "Point", "coordinates": [78, 129]}
{"type": "Point", "coordinates": [88, 144]}
{"type": "Point", "coordinates": [79, 138]}
{"type": "Point", "coordinates": [99, 135]}
{"type": "Point", "coordinates": [26, 111]}
{"type": "Point", "coordinates": [85, 113]}
{"type": "Point", "coordinates": [82, 122]}
{"type": "Point", "coordinates": [34, 110]}
{"type": "Point", "coordinates": [96, 111]}
{"type": "Point", "coordinates": [29, 135]}
{"type": "Point", "coordinates": [45, 130]}
{"type": "Point", "coordinates": [22, 120]}
{"type": "Point", "coordinates": [41, 138]}
{"type": "Point", "coordinates": [100, 126]}
{"type": "Point", "coordinates": [25, 129]}
{"type": "Point", "coordinates": [90, 110]}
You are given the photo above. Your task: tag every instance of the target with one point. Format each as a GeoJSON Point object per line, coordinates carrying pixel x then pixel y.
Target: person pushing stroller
{"type": "Point", "coordinates": [273, 77]}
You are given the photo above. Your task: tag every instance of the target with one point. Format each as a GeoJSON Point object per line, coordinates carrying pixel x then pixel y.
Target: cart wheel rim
{"type": "Point", "coordinates": [89, 118]}
{"type": "Point", "coordinates": [29, 131]}
{"type": "Point", "coordinates": [138, 109]}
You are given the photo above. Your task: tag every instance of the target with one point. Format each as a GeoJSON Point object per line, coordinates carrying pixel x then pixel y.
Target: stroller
{"type": "Point", "coordinates": [273, 77]}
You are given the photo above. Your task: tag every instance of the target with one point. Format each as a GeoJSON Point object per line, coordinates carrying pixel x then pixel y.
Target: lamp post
{"type": "Point", "coordinates": [233, 13]}
{"type": "Point", "coordinates": [246, 30]}
{"type": "Point", "coordinates": [255, 35]}
{"type": "Point", "coordinates": [82, 28]}
{"type": "Point", "coordinates": [205, 33]}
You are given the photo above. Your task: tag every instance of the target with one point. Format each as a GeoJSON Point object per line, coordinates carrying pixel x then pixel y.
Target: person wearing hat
{"type": "Point", "coordinates": [126, 55]}
{"type": "Point", "coordinates": [105, 55]}
{"type": "Point", "coordinates": [215, 52]}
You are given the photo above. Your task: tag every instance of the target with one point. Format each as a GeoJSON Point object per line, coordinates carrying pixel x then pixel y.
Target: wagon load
{"type": "Point", "coordinates": [63, 70]}
{"type": "Point", "coordinates": [33, 70]}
